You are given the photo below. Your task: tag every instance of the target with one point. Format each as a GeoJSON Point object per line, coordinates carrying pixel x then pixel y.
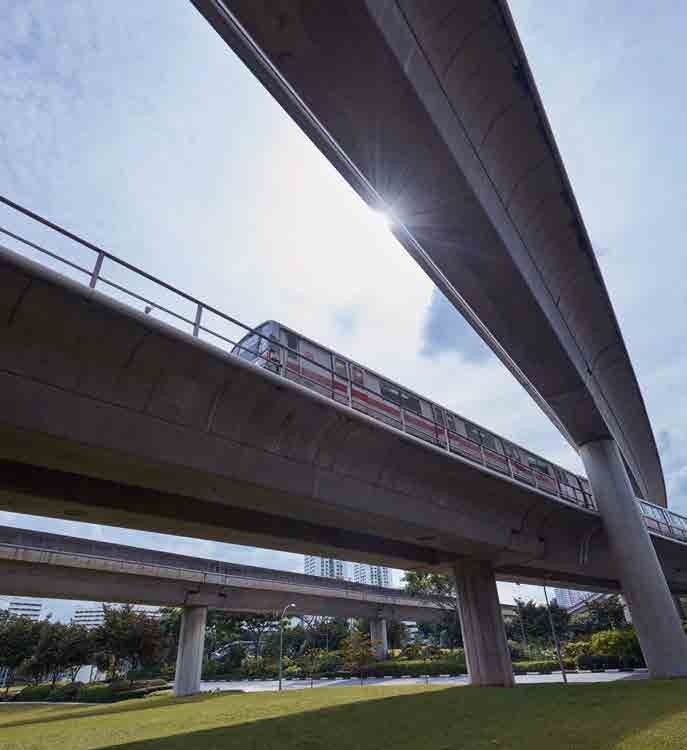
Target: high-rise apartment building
{"type": "Point", "coordinates": [90, 618]}
{"type": "Point", "coordinates": [373, 575]}
{"type": "Point", "coordinates": [32, 610]}
{"type": "Point", "coordinates": [567, 598]}
{"type": "Point", "coordinates": [326, 567]}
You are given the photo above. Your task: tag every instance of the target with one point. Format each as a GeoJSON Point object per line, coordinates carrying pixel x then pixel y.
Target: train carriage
{"type": "Point", "coordinates": [292, 355]}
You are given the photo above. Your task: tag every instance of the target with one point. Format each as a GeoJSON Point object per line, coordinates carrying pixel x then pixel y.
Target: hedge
{"type": "Point", "coordinates": [92, 693]}
{"type": "Point", "coordinates": [544, 665]}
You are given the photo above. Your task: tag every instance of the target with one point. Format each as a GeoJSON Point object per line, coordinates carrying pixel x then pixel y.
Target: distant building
{"type": "Point", "coordinates": [32, 610]}
{"type": "Point", "coordinates": [326, 567]}
{"type": "Point", "coordinates": [90, 618]}
{"type": "Point", "coordinates": [568, 598]}
{"type": "Point", "coordinates": [373, 575]}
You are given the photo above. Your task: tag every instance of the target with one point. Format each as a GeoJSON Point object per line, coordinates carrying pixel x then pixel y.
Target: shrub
{"type": "Point", "coordinates": [415, 668]}
{"type": "Point", "coordinates": [34, 693]}
{"type": "Point", "coordinates": [575, 650]}
{"type": "Point", "coordinates": [68, 692]}
{"type": "Point", "coordinates": [622, 645]}
{"type": "Point", "coordinates": [411, 651]}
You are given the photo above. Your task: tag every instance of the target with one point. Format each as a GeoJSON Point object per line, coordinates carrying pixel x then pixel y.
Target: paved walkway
{"type": "Point", "coordinates": [257, 686]}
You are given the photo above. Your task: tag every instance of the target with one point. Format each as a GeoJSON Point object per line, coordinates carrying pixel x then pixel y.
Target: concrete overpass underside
{"type": "Point", "coordinates": [109, 416]}
{"type": "Point", "coordinates": [429, 109]}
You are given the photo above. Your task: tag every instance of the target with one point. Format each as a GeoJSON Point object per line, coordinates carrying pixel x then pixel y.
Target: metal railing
{"type": "Point", "coordinates": [98, 275]}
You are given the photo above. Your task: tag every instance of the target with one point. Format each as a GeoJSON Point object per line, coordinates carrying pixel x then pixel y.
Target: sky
{"type": "Point", "coordinates": [135, 126]}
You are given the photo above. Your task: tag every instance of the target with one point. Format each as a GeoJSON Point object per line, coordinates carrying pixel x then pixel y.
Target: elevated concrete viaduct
{"type": "Point", "coordinates": [429, 109]}
{"type": "Point", "coordinates": [56, 566]}
{"type": "Point", "coordinates": [110, 416]}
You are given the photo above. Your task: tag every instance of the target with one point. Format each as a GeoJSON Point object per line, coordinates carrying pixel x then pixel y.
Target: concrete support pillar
{"type": "Point", "coordinates": [190, 653]}
{"type": "Point", "coordinates": [484, 634]}
{"type": "Point", "coordinates": [644, 586]}
{"type": "Point", "coordinates": [379, 637]}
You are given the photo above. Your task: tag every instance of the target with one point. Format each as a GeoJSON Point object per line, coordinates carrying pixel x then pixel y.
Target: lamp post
{"type": "Point", "coordinates": [556, 644]}
{"type": "Point", "coordinates": [281, 640]}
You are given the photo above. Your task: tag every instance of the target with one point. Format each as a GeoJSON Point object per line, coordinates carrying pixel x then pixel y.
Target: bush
{"type": "Point", "coordinates": [34, 693]}
{"type": "Point", "coordinates": [415, 668]}
{"type": "Point", "coordinates": [621, 645]}
{"type": "Point", "coordinates": [575, 650]}
{"type": "Point", "coordinates": [411, 651]}
{"type": "Point", "coordinates": [68, 692]}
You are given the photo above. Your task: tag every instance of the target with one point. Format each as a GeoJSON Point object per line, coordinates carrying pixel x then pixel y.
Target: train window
{"type": "Point", "coordinates": [439, 416]}
{"type": "Point", "coordinates": [489, 441]}
{"type": "Point", "coordinates": [340, 368]}
{"type": "Point", "coordinates": [511, 451]}
{"type": "Point", "coordinates": [356, 375]}
{"type": "Point", "coordinates": [390, 392]}
{"type": "Point", "coordinates": [411, 402]}
{"type": "Point", "coordinates": [473, 433]}
{"type": "Point", "coordinates": [536, 463]}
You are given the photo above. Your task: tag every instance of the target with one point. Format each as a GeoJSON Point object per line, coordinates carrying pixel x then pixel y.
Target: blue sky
{"type": "Point", "coordinates": [132, 124]}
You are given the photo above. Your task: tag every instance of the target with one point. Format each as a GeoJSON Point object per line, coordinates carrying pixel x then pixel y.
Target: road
{"type": "Point", "coordinates": [259, 686]}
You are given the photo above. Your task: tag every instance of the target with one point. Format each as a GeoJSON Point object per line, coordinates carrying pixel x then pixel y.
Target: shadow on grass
{"type": "Point", "coordinates": [133, 705]}
{"type": "Point", "coordinates": [594, 717]}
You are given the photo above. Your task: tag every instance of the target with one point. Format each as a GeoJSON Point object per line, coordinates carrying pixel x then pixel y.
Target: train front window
{"type": "Point", "coordinates": [249, 348]}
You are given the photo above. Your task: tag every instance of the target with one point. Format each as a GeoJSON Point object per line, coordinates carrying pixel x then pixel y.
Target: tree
{"type": "Point", "coordinates": [256, 626]}
{"type": "Point", "coordinates": [533, 620]}
{"type": "Point", "coordinates": [358, 653]}
{"type": "Point", "coordinates": [442, 589]}
{"type": "Point", "coordinates": [47, 660]}
{"type": "Point", "coordinates": [18, 639]}
{"type": "Point", "coordinates": [126, 636]}
{"type": "Point", "coordinates": [604, 613]}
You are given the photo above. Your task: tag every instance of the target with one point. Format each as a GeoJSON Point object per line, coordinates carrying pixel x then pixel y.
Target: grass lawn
{"type": "Point", "coordinates": [615, 716]}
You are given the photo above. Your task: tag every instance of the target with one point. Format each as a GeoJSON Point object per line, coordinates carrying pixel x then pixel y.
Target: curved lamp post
{"type": "Point", "coordinates": [281, 640]}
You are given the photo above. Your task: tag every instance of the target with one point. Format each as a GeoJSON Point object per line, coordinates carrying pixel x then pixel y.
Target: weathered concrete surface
{"type": "Point", "coordinates": [190, 652]}
{"type": "Point", "coordinates": [109, 416]}
{"type": "Point", "coordinates": [34, 563]}
{"type": "Point", "coordinates": [379, 636]}
{"type": "Point", "coordinates": [484, 635]}
{"type": "Point", "coordinates": [654, 616]}
{"type": "Point", "coordinates": [429, 107]}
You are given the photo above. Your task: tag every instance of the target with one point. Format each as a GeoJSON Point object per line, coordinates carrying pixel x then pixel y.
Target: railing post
{"type": "Point", "coordinates": [96, 270]}
{"type": "Point", "coordinates": [196, 325]}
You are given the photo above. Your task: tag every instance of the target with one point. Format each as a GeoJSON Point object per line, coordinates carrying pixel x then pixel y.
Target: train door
{"type": "Point", "coordinates": [316, 368]}
{"type": "Point", "coordinates": [459, 440]}
{"type": "Point", "coordinates": [341, 381]}
{"type": "Point", "coordinates": [494, 456]}
{"type": "Point", "coordinates": [291, 355]}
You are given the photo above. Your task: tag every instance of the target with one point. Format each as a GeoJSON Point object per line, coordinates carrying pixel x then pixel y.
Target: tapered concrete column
{"type": "Point", "coordinates": [190, 653]}
{"type": "Point", "coordinates": [644, 586]}
{"type": "Point", "coordinates": [379, 637]}
{"type": "Point", "coordinates": [484, 634]}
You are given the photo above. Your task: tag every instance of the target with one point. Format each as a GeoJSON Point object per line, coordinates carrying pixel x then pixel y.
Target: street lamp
{"type": "Point", "coordinates": [281, 640]}
{"type": "Point", "coordinates": [556, 644]}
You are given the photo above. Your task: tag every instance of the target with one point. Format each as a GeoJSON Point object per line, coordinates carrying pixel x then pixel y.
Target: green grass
{"type": "Point", "coordinates": [618, 716]}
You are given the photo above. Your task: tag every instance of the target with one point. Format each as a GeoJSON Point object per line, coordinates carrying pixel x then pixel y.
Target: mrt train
{"type": "Point", "coordinates": [290, 354]}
